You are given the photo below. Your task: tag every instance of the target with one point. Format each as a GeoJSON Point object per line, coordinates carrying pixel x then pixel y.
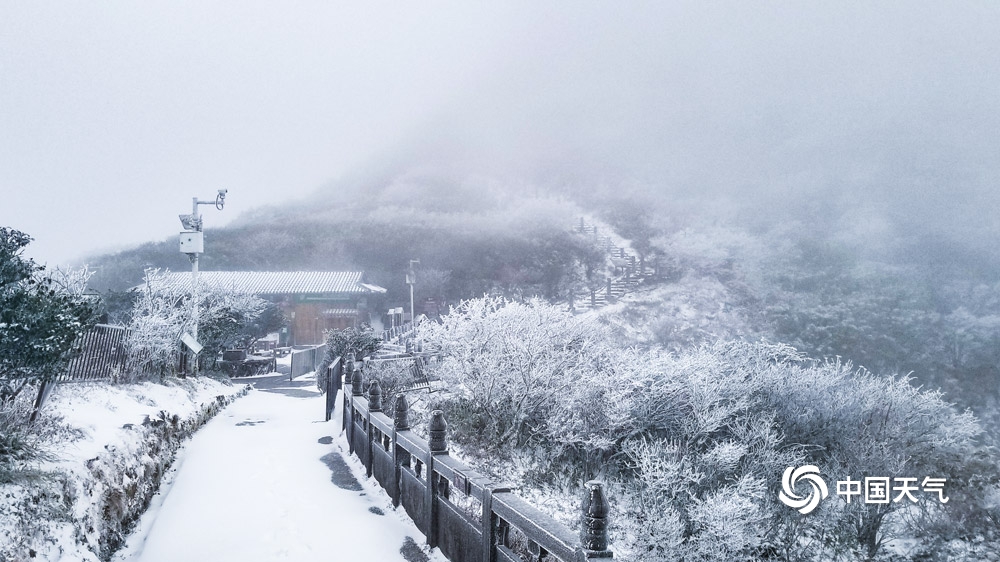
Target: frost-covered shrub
{"type": "Point", "coordinates": [753, 409]}
{"type": "Point", "coordinates": [229, 320]}
{"type": "Point", "coordinates": [362, 342]}
{"type": "Point", "coordinates": [694, 443]}
{"type": "Point", "coordinates": [162, 313]}
{"type": "Point", "coordinates": [512, 363]}
{"type": "Point", "coordinates": [692, 310]}
{"type": "Point", "coordinates": [159, 317]}
{"type": "Point", "coordinates": [706, 461]}
{"type": "Point", "coordinates": [858, 424]}
{"type": "Point", "coordinates": [392, 377]}
{"type": "Point", "coordinates": [22, 442]}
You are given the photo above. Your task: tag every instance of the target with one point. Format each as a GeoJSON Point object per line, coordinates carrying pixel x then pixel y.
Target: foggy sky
{"type": "Point", "coordinates": [112, 116]}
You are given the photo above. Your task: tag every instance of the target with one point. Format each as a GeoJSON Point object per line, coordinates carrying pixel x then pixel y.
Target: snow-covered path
{"type": "Point", "coordinates": [265, 481]}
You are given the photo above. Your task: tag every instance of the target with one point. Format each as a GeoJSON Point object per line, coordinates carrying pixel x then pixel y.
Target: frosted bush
{"type": "Point", "coordinates": [512, 361]}
{"type": "Point", "coordinates": [162, 313]}
{"type": "Point", "coordinates": [694, 443]}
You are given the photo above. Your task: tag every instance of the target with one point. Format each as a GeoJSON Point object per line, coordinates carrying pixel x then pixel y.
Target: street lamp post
{"type": "Point", "coordinates": [411, 280]}
{"type": "Point", "coordinates": [193, 244]}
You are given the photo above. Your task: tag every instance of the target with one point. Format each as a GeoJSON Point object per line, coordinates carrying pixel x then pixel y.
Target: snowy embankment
{"type": "Point", "coordinates": [267, 480]}
{"type": "Point", "coordinates": [108, 463]}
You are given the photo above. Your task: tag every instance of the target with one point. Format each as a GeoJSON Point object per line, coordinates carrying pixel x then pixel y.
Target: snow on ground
{"type": "Point", "coordinates": [267, 480]}
{"type": "Point", "coordinates": [116, 442]}
{"type": "Point", "coordinates": [101, 410]}
{"type": "Point", "coordinates": [686, 312]}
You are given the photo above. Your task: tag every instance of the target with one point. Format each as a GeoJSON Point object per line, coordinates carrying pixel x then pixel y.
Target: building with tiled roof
{"type": "Point", "coordinates": [312, 301]}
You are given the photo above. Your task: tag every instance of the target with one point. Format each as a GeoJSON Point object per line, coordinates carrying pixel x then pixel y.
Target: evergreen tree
{"type": "Point", "coordinates": [39, 321]}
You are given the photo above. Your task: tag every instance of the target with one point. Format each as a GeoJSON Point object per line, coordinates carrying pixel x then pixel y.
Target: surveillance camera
{"type": "Point", "coordinates": [220, 199]}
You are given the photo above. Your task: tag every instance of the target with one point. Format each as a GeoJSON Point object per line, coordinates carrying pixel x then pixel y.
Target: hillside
{"type": "Point", "coordinates": [467, 246]}
{"type": "Point", "coordinates": [833, 280]}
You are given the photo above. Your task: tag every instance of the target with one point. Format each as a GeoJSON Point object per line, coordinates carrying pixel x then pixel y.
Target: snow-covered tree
{"type": "Point", "coordinates": [230, 320]}
{"type": "Point", "coordinates": [40, 318]}
{"type": "Point", "coordinates": [511, 361]}
{"type": "Point", "coordinates": [362, 342]}
{"type": "Point", "coordinates": [162, 313]}
{"type": "Point", "coordinates": [158, 319]}
{"type": "Point", "coordinates": [695, 442]}
{"type": "Point", "coordinates": [859, 424]}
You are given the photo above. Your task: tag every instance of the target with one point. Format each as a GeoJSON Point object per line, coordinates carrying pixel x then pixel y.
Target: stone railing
{"type": "Point", "coordinates": [460, 511]}
{"type": "Point", "coordinates": [392, 335]}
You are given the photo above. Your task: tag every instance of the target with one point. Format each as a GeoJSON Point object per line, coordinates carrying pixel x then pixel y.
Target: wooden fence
{"type": "Point", "coordinates": [461, 512]}
{"type": "Point", "coordinates": [103, 355]}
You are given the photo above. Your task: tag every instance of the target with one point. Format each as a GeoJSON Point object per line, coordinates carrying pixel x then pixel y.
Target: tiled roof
{"type": "Point", "coordinates": [277, 282]}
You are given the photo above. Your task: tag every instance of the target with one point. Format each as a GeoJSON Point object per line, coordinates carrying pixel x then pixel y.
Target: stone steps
{"type": "Point", "coordinates": [629, 278]}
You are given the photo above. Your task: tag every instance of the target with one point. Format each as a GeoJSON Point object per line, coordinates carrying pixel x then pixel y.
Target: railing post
{"type": "Point", "coordinates": [400, 422]}
{"type": "Point", "coordinates": [357, 381]}
{"type": "Point", "coordinates": [338, 372]}
{"type": "Point", "coordinates": [349, 418]}
{"type": "Point", "coordinates": [437, 430]}
{"type": "Point", "coordinates": [490, 522]}
{"type": "Point", "coordinates": [348, 375]}
{"type": "Point", "coordinates": [374, 405]}
{"type": "Point", "coordinates": [357, 391]}
{"type": "Point", "coordinates": [375, 396]}
{"type": "Point", "coordinates": [43, 391]}
{"type": "Point", "coordinates": [331, 392]}
{"type": "Point", "coordinates": [594, 531]}
{"type": "Point", "coordinates": [437, 446]}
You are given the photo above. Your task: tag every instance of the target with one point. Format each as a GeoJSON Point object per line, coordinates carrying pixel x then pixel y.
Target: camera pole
{"type": "Point", "coordinates": [193, 244]}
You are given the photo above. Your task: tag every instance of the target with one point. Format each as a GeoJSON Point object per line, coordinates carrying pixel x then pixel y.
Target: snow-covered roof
{"type": "Point", "coordinates": [278, 282]}
{"type": "Point", "coordinates": [340, 312]}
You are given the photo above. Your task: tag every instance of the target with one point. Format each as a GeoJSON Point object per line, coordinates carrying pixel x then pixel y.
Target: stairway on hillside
{"type": "Point", "coordinates": [627, 271]}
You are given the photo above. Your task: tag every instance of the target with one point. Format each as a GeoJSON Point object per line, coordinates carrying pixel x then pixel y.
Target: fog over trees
{"type": "Point", "coordinates": [828, 172]}
{"type": "Point", "coordinates": [820, 180]}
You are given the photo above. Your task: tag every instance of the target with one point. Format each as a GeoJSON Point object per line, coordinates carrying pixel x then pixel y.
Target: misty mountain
{"type": "Point", "coordinates": [824, 175]}
{"type": "Point", "coordinates": [468, 245]}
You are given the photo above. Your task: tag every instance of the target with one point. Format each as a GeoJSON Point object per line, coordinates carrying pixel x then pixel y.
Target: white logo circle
{"type": "Point", "coordinates": [809, 473]}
